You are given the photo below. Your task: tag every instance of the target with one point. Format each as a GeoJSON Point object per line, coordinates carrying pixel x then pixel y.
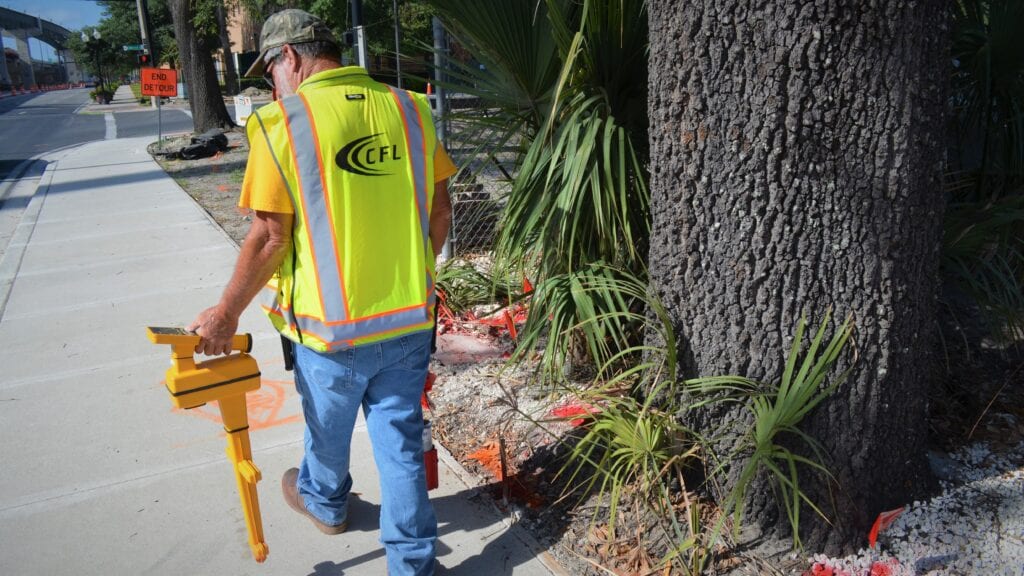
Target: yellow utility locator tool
{"type": "Point", "coordinates": [225, 380]}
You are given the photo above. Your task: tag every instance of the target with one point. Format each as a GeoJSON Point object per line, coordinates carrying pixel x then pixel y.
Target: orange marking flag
{"type": "Point", "coordinates": [884, 520]}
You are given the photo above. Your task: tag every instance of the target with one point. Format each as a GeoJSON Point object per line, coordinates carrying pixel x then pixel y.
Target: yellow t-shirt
{"type": "Point", "coordinates": [263, 188]}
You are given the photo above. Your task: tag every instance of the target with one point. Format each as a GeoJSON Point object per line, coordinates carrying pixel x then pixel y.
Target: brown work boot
{"type": "Point", "coordinates": [292, 497]}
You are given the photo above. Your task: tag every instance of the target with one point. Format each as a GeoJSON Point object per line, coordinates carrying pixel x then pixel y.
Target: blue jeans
{"type": "Point", "coordinates": [387, 379]}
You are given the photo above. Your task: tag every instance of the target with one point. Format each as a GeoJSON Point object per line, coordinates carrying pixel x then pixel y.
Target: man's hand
{"type": "Point", "coordinates": [264, 248]}
{"type": "Point", "coordinates": [215, 327]}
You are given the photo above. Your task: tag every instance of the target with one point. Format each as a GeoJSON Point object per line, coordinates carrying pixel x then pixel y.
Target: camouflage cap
{"type": "Point", "coordinates": [289, 27]}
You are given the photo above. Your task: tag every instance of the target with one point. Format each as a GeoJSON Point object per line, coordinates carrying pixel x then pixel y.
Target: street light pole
{"type": "Point", "coordinates": [94, 45]}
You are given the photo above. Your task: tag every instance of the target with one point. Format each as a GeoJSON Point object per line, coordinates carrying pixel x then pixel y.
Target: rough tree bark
{"type": "Point", "coordinates": [194, 53]}
{"type": "Point", "coordinates": [796, 161]}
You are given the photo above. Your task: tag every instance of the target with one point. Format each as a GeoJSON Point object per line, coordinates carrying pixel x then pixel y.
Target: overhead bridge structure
{"type": "Point", "coordinates": [20, 70]}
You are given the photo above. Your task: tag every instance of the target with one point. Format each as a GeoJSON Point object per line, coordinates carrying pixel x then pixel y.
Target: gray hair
{"type": "Point", "coordinates": [271, 54]}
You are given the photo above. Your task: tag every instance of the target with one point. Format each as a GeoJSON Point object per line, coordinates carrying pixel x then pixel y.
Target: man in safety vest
{"type": "Point", "coordinates": [347, 181]}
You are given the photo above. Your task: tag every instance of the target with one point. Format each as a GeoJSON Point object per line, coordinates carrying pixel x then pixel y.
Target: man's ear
{"type": "Point", "coordinates": [291, 58]}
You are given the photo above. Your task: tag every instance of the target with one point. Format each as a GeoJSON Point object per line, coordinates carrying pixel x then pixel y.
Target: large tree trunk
{"type": "Point", "coordinates": [230, 74]}
{"type": "Point", "coordinates": [796, 157]}
{"type": "Point", "coordinates": [194, 53]}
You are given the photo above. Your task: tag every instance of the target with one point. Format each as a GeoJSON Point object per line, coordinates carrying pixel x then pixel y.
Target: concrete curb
{"type": "Point", "coordinates": [15, 249]}
{"type": "Point", "coordinates": [19, 242]}
{"type": "Point", "coordinates": [16, 175]}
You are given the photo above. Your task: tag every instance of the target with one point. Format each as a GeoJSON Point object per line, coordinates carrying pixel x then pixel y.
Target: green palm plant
{"type": "Point", "coordinates": [636, 442]}
{"type": "Point", "coordinates": [988, 95]}
{"type": "Point", "coordinates": [777, 411]}
{"type": "Point", "coordinates": [568, 82]}
{"type": "Point", "coordinates": [983, 256]}
{"type": "Point", "coordinates": [983, 244]}
{"type": "Point", "coordinates": [580, 203]}
{"type": "Point", "coordinates": [464, 286]}
{"type": "Point", "coordinates": [513, 70]}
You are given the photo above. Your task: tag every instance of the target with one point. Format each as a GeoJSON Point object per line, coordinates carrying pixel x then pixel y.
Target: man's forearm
{"type": "Point", "coordinates": [440, 217]}
{"type": "Point", "coordinates": [257, 262]}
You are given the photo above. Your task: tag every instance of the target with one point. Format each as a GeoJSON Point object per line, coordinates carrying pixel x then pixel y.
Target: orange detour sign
{"type": "Point", "coordinates": [159, 82]}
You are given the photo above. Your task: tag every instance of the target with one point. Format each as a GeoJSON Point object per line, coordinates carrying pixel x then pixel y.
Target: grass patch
{"type": "Point", "coordinates": [137, 92]}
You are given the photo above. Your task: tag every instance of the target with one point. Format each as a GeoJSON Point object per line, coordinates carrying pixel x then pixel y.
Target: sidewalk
{"type": "Point", "coordinates": [100, 475]}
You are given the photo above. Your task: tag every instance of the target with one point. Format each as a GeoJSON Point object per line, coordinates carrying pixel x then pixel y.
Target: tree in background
{"type": "Point", "coordinates": [797, 155]}
{"type": "Point", "coordinates": [121, 24]}
{"type": "Point", "coordinates": [120, 27]}
{"type": "Point", "coordinates": [184, 33]}
{"type": "Point", "coordinates": [378, 21]}
{"type": "Point", "coordinates": [195, 48]}
{"type": "Point", "coordinates": [230, 73]}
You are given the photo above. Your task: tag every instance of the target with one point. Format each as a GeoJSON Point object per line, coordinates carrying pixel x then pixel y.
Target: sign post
{"type": "Point", "coordinates": [159, 82]}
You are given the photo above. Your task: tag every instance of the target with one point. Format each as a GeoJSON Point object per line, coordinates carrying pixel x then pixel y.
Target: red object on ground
{"type": "Point", "coordinates": [489, 457]}
{"type": "Point", "coordinates": [883, 568]}
{"type": "Point", "coordinates": [429, 451]}
{"type": "Point", "coordinates": [570, 410]}
{"type": "Point", "coordinates": [429, 384]}
{"type": "Point", "coordinates": [511, 325]}
{"type": "Point", "coordinates": [884, 520]}
{"type": "Point", "coordinates": [822, 570]}
{"type": "Point", "coordinates": [430, 461]}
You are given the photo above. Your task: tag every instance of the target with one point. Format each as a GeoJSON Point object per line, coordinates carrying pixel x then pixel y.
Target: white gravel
{"type": "Point", "coordinates": [975, 527]}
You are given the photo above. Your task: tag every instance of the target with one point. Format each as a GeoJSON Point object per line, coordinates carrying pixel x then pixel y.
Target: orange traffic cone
{"type": "Point", "coordinates": [430, 89]}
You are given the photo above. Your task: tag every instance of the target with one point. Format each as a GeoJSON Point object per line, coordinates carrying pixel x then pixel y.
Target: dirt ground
{"type": "Point", "coordinates": [214, 183]}
{"type": "Point", "coordinates": [501, 429]}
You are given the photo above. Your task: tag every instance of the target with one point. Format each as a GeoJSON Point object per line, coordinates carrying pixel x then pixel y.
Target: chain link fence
{"type": "Point", "coordinates": [484, 180]}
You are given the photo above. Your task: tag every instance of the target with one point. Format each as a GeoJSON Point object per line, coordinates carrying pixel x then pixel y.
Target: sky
{"type": "Point", "coordinates": [71, 14]}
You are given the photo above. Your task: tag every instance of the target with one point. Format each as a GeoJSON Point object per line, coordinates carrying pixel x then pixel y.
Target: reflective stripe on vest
{"type": "Point", "coordinates": [417, 153]}
{"type": "Point", "coordinates": [336, 325]}
{"type": "Point", "coordinates": [334, 333]}
{"type": "Point", "coordinates": [418, 158]}
{"type": "Point", "coordinates": [315, 209]}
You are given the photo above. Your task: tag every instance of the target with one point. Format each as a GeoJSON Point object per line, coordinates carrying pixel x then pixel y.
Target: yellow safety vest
{"type": "Point", "coordinates": [357, 158]}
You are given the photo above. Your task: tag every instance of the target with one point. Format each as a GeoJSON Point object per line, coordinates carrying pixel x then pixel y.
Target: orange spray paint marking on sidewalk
{"type": "Point", "coordinates": [263, 407]}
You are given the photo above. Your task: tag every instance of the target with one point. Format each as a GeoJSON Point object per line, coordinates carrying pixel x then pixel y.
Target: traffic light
{"type": "Point", "coordinates": [144, 59]}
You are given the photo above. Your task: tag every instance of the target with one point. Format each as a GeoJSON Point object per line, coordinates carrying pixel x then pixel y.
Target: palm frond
{"type": "Point", "coordinates": [983, 256]}
{"type": "Point", "coordinates": [778, 410]}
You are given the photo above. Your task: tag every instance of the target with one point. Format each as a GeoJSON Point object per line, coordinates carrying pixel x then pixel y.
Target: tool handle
{"type": "Point", "coordinates": [182, 337]}
{"type": "Point", "coordinates": [242, 342]}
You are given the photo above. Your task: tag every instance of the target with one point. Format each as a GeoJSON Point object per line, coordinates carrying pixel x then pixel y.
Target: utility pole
{"type": "Point", "coordinates": [147, 42]}
{"type": "Point", "coordinates": [440, 46]}
{"type": "Point", "coordinates": [357, 25]}
{"type": "Point", "coordinates": [144, 26]}
{"type": "Point", "coordinates": [398, 47]}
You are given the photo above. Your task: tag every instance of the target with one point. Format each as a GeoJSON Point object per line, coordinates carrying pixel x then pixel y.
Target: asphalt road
{"type": "Point", "coordinates": [33, 124]}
